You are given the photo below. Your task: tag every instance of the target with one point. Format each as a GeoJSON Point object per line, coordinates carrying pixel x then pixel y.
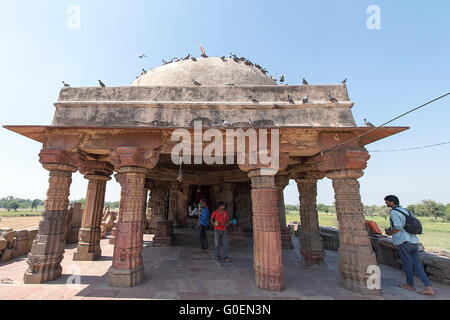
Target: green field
{"type": "Point", "coordinates": [435, 234]}
{"type": "Point", "coordinates": [21, 212]}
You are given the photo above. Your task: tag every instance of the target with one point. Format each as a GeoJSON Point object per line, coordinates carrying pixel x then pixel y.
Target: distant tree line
{"type": "Point", "coordinates": [111, 205]}
{"type": "Point", "coordinates": [425, 208]}
{"type": "Point", "coordinates": [10, 203]}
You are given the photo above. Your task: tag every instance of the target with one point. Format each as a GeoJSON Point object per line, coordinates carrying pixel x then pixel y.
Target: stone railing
{"type": "Point", "coordinates": [436, 264]}
{"type": "Point", "coordinates": [16, 243]}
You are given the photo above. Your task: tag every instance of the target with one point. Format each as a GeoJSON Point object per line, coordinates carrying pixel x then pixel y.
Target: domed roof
{"type": "Point", "coordinates": [207, 71]}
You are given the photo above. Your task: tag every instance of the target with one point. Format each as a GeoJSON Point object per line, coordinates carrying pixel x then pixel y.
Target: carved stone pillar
{"type": "Point", "coordinates": [286, 241]}
{"type": "Point", "coordinates": [311, 243]}
{"type": "Point", "coordinates": [267, 248]}
{"type": "Point", "coordinates": [281, 182]}
{"type": "Point", "coordinates": [90, 232]}
{"type": "Point", "coordinates": [355, 248]}
{"type": "Point", "coordinates": [344, 167]}
{"type": "Point", "coordinates": [173, 197]}
{"type": "Point", "coordinates": [47, 249]}
{"type": "Point", "coordinates": [132, 163]}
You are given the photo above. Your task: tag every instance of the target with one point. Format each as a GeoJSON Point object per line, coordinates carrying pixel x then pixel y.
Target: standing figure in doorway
{"type": "Point", "coordinates": [221, 222]}
{"type": "Point", "coordinates": [203, 223]}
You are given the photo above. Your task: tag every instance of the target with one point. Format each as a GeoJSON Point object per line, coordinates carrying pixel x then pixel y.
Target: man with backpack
{"type": "Point", "coordinates": [403, 229]}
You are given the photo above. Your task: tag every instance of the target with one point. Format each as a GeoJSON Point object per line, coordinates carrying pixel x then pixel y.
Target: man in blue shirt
{"type": "Point", "coordinates": [407, 245]}
{"type": "Point", "coordinates": [203, 223]}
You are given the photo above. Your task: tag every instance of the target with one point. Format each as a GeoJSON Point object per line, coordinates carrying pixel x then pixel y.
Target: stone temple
{"type": "Point", "coordinates": [129, 131]}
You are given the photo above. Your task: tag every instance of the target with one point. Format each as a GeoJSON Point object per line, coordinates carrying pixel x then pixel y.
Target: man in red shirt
{"type": "Point", "coordinates": [221, 221]}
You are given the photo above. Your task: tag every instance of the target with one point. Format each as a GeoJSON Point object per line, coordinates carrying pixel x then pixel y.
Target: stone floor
{"type": "Point", "coordinates": [185, 272]}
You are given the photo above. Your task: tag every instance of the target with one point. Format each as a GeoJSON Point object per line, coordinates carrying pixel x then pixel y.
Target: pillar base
{"type": "Point", "coordinates": [83, 254]}
{"type": "Point", "coordinates": [269, 283]}
{"type": "Point", "coordinates": [42, 276]}
{"type": "Point", "coordinates": [310, 258]}
{"type": "Point", "coordinates": [358, 287]}
{"type": "Point", "coordinates": [126, 278]}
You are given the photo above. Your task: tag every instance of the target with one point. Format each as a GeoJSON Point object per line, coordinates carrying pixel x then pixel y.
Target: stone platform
{"type": "Point", "coordinates": [183, 271]}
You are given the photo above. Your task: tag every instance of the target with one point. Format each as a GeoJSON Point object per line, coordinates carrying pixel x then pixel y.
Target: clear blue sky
{"type": "Point", "coordinates": [389, 71]}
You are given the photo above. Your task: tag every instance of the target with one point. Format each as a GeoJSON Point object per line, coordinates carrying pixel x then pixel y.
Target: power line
{"type": "Point", "coordinates": [421, 147]}
{"type": "Point", "coordinates": [403, 114]}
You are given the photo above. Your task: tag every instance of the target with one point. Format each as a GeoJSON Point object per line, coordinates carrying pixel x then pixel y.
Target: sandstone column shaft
{"type": "Point", "coordinates": [173, 197]}
{"type": "Point", "coordinates": [48, 248]}
{"type": "Point", "coordinates": [311, 243]}
{"type": "Point", "coordinates": [355, 249]}
{"type": "Point", "coordinates": [90, 233]}
{"type": "Point", "coordinates": [266, 234]}
{"type": "Point", "coordinates": [127, 268]}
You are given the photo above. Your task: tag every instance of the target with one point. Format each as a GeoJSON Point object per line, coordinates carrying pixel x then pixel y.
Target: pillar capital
{"type": "Point", "coordinates": [344, 174]}
{"type": "Point", "coordinates": [134, 157]}
{"type": "Point", "coordinates": [271, 168]}
{"type": "Point", "coordinates": [281, 181]}
{"type": "Point", "coordinates": [95, 168]}
{"type": "Point", "coordinates": [346, 159]}
{"type": "Point", "coordinates": [59, 160]}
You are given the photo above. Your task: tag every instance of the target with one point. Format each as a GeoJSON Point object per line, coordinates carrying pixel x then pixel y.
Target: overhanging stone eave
{"type": "Point", "coordinates": [40, 132]}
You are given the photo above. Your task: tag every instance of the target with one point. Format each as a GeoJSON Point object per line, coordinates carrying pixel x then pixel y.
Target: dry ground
{"type": "Point", "coordinates": [19, 222]}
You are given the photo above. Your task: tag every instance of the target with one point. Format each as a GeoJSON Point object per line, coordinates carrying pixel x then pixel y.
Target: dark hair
{"type": "Point", "coordinates": [203, 199]}
{"type": "Point", "coordinates": [220, 203]}
{"type": "Point", "coordinates": [393, 199]}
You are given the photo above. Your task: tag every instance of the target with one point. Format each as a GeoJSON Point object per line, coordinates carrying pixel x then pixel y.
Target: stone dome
{"type": "Point", "coordinates": [207, 71]}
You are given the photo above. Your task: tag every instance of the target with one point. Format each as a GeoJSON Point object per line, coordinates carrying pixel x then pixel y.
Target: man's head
{"type": "Point", "coordinates": [221, 205]}
{"type": "Point", "coordinates": [203, 202]}
{"type": "Point", "coordinates": [391, 201]}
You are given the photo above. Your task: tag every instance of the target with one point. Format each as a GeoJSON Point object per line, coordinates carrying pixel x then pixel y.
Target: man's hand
{"type": "Point", "coordinates": [388, 232]}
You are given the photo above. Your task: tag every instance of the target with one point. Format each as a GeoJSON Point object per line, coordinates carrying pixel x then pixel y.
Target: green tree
{"type": "Point", "coordinates": [12, 205]}
{"type": "Point", "coordinates": [35, 204]}
{"type": "Point", "coordinates": [431, 208]}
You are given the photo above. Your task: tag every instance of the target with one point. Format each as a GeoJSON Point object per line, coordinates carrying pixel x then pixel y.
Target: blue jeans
{"type": "Point", "coordinates": [408, 253]}
{"type": "Point", "coordinates": [221, 240]}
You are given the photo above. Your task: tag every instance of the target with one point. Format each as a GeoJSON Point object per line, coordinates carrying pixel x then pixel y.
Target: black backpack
{"type": "Point", "coordinates": [412, 225]}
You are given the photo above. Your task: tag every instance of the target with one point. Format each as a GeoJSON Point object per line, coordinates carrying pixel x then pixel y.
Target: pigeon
{"type": "Point", "coordinates": [203, 55]}
{"type": "Point", "coordinates": [305, 82]}
{"type": "Point", "coordinates": [196, 82]}
{"type": "Point", "coordinates": [187, 57]}
{"type": "Point", "coordinates": [289, 99]}
{"type": "Point", "coordinates": [171, 60]}
{"type": "Point", "coordinates": [225, 123]}
{"type": "Point", "coordinates": [229, 84]}
{"type": "Point", "coordinates": [250, 122]}
{"type": "Point", "coordinates": [193, 59]}
{"type": "Point", "coordinates": [223, 58]}
{"type": "Point", "coordinates": [176, 59]}
{"type": "Point", "coordinates": [66, 84]}
{"type": "Point", "coordinates": [101, 84]}
{"type": "Point", "coordinates": [264, 71]}
{"type": "Point", "coordinates": [164, 62]}
{"type": "Point", "coordinates": [344, 81]}
{"type": "Point", "coordinates": [368, 124]}
{"type": "Point", "coordinates": [332, 99]}
{"type": "Point", "coordinates": [253, 99]}
{"type": "Point", "coordinates": [235, 59]}
{"type": "Point", "coordinates": [305, 99]}
{"type": "Point", "coordinates": [282, 78]}
{"type": "Point", "coordinates": [143, 72]}
{"type": "Point", "coordinates": [258, 66]}
{"type": "Point", "coordinates": [142, 56]}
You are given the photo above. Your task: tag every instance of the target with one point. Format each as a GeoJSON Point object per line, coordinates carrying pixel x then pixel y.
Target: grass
{"type": "Point", "coordinates": [21, 212]}
{"type": "Point", "coordinates": [436, 234]}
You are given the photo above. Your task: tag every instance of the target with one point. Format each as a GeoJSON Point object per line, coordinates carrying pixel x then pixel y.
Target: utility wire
{"type": "Point", "coordinates": [421, 147]}
{"type": "Point", "coordinates": [403, 114]}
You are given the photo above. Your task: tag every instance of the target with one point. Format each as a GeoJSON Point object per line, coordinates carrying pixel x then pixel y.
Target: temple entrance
{"type": "Point", "coordinates": [196, 192]}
